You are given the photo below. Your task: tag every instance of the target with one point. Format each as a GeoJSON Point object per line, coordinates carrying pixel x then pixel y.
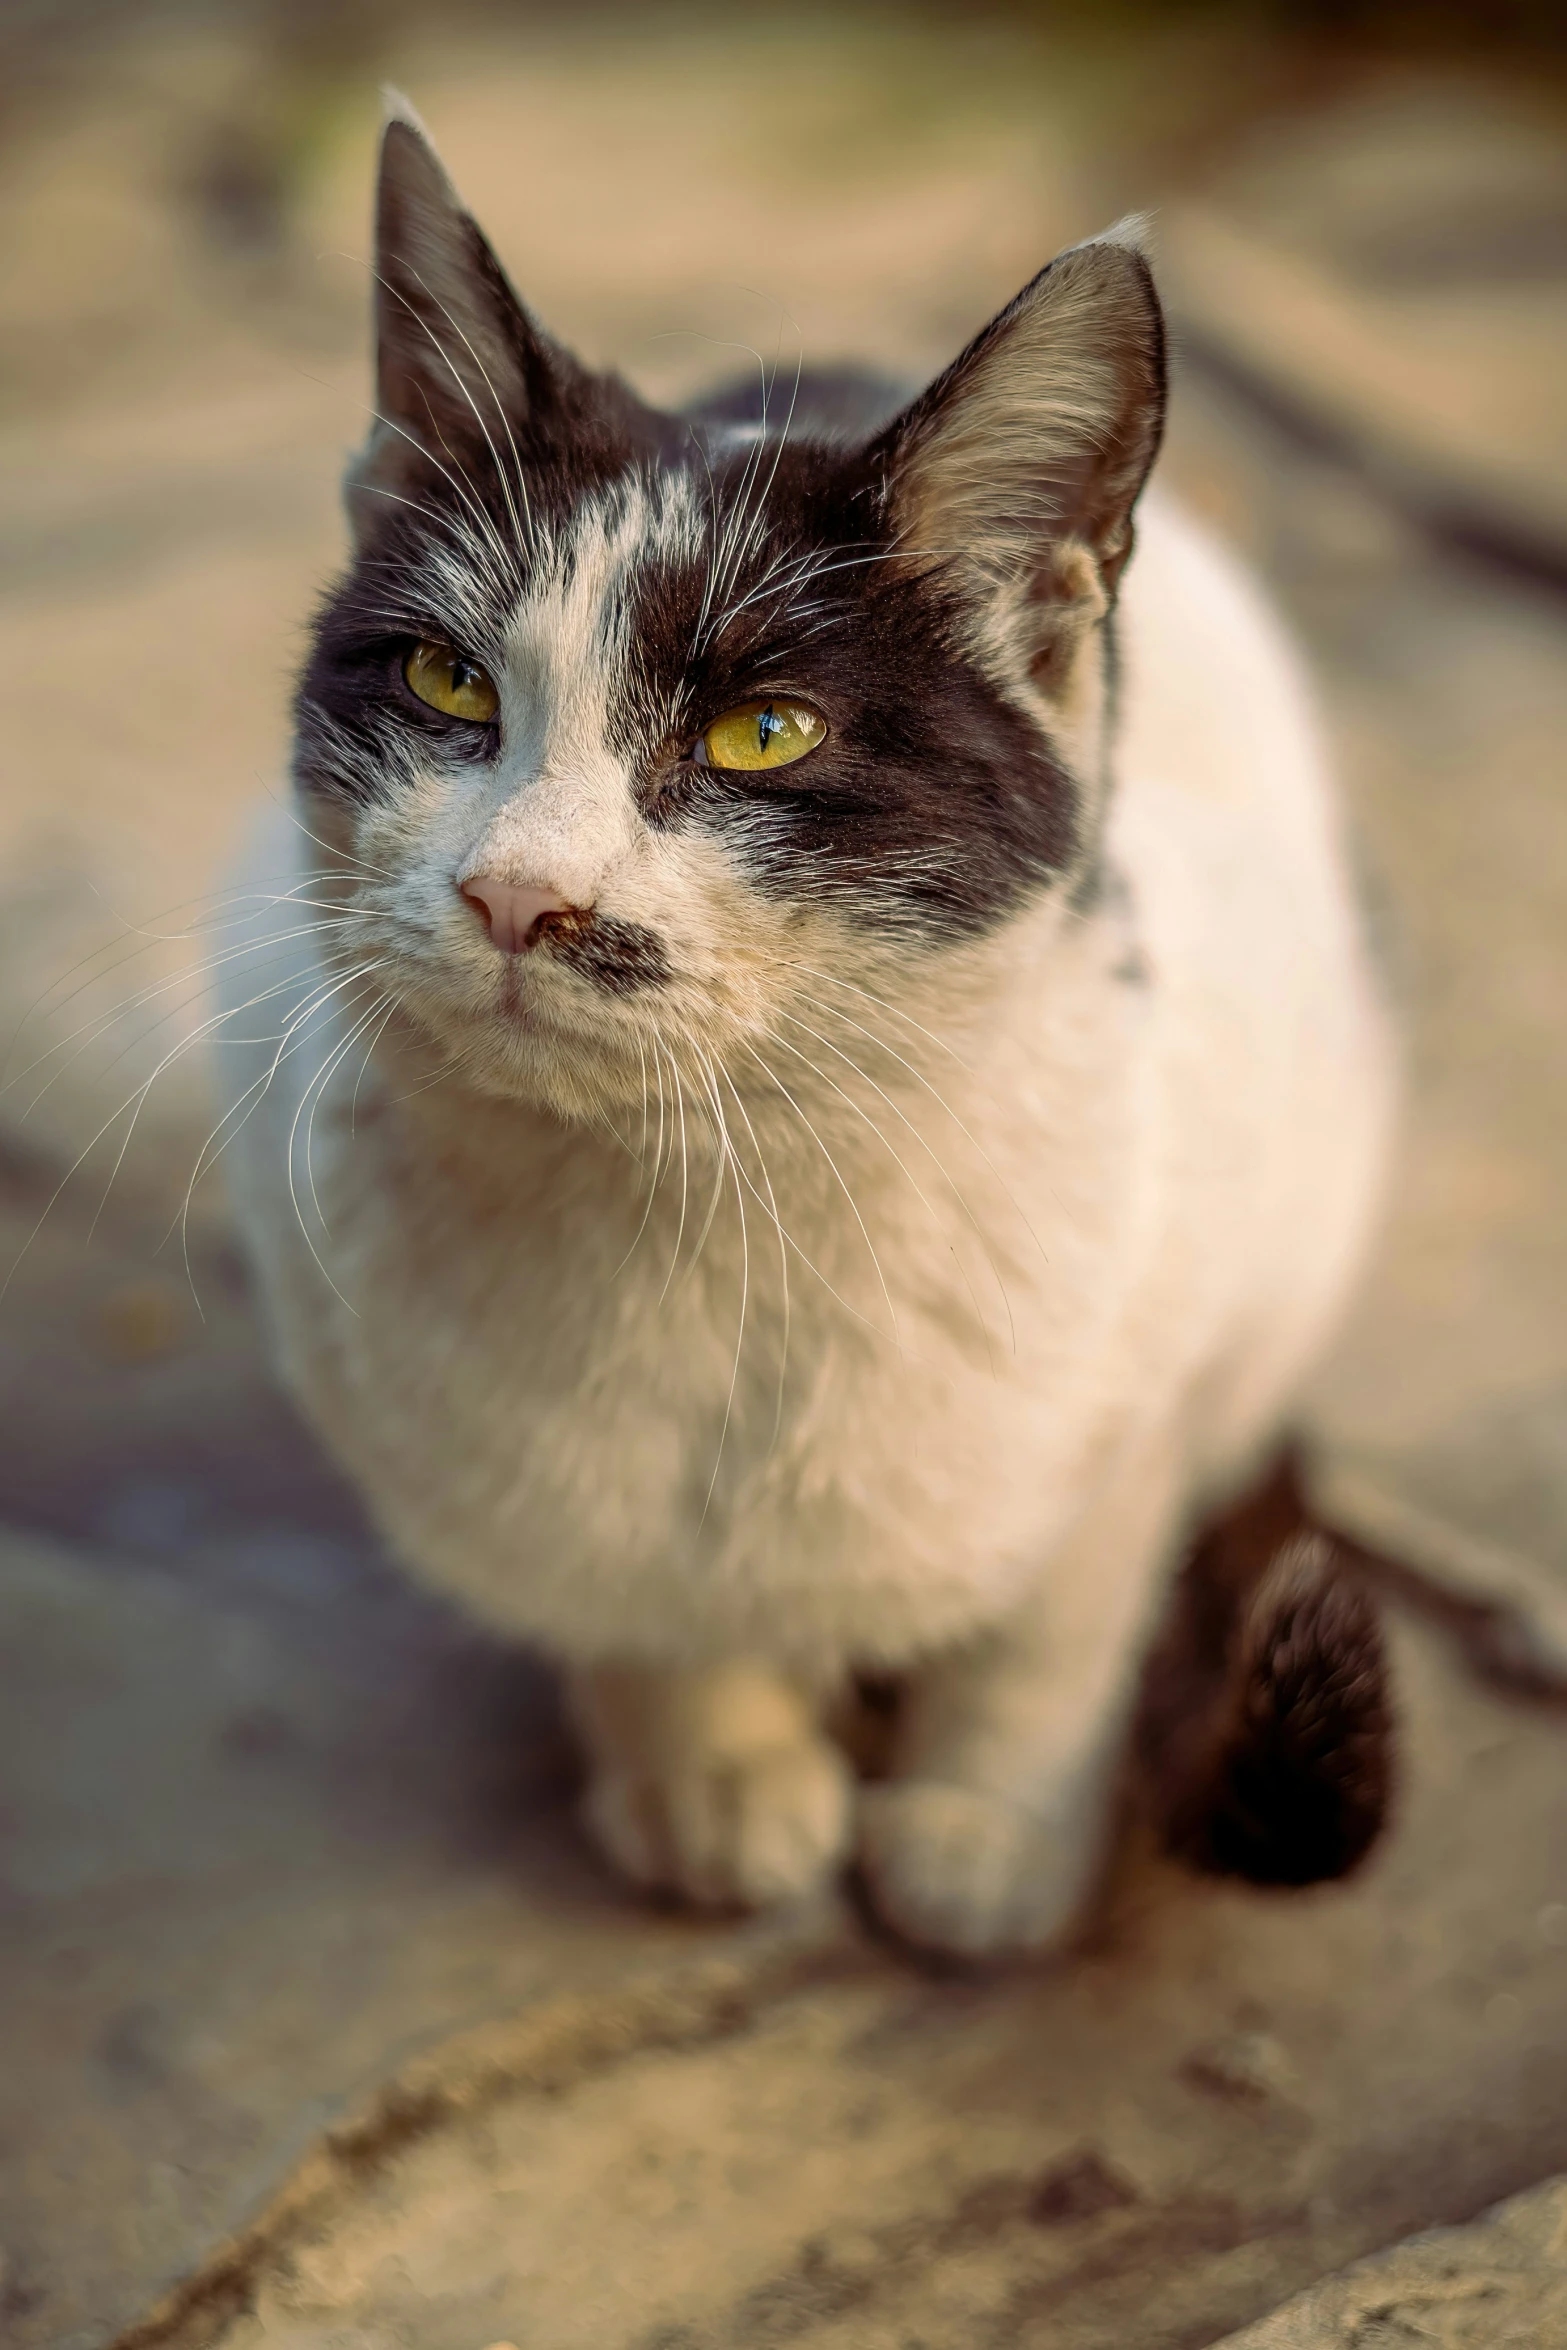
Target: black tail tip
{"type": "Point", "coordinates": [1267, 1735]}
{"type": "Point", "coordinates": [1304, 1779]}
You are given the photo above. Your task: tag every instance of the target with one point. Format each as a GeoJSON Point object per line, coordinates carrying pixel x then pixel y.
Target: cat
{"type": "Point", "coordinates": [832, 1089]}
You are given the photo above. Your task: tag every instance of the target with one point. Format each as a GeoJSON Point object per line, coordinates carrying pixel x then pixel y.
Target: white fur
{"type": "Point", "coordinates": [1105, 1257]}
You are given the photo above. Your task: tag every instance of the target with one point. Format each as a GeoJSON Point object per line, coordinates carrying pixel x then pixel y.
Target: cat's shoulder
{"type": "Point", "coordinates": [1189, 585]}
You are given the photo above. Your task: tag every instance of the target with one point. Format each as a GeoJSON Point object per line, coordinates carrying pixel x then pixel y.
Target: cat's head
{"type": "Point", "coordinates": [631, 728]}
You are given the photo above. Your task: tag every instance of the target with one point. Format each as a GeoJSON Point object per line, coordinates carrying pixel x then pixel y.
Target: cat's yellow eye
{"type": "Point", "coordinates": [450, 682]}
{"type": "Point", "coordinates": [764, 734]}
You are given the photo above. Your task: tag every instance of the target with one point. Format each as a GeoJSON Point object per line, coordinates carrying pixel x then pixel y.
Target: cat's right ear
{"type": "Point", "coordinates": [460, 366]}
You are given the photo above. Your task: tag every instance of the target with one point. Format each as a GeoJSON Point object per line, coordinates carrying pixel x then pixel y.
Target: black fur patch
{"type": "Point", "coordinates": [846, 402]}
{"type": "Point", "coordinates": [934, 805]}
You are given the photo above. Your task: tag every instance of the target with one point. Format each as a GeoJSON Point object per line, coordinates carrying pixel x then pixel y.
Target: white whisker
{"type": "Point", "coordinates": [524, 534]}
{"type": "Point", "coordinates": [293, 1191]}
{"type": "Point", "coordinates": [783, 1238]}
{"type": "Point", "coordinates": [680, 1232]}
{"type": "Point", "coordinates": [862, 1113]}
{"type": "Point", "coordinates": [353, 1106]}
{"type": "Point", "coordinates": [101, 1022]}
{"type": "Point", "coordinates": [854, 1210]}
{"type": "Point", "coordinates": [288, 1042]}
{"type": "Point", "coordinates": [726, 1160]}
{"type": "Point", "coordinates": [321, 1082]}
{"type": "Point", "coordinates": [148, 938]}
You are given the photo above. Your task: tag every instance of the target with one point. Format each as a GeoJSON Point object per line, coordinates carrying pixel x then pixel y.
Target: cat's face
{"type": "Point", "coordinates": [633, 733]}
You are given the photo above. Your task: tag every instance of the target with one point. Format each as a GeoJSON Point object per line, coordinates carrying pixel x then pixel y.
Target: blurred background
{"type": "Point", "coordinates": [222, 1711]}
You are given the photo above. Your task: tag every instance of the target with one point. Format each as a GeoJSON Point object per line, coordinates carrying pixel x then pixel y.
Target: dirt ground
{"type": "Point", "coordinates": [299, 1948]}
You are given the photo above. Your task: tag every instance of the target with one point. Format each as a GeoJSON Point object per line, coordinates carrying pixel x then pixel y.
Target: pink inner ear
{"type": "Point", "coordinates": [509, 911]}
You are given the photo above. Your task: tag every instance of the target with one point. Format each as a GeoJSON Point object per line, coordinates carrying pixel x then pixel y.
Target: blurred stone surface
{"type": "Point", "coordinates": [1392, 270]}
{"type": "Point", "coordinates": [269, 1821]}
{"type": "Point", "coordinates": [1500, 2284]}
{"type": "Point", "coordinates": [811, 2142]}
{"type": "Point", "coordinates": [268, 1818]}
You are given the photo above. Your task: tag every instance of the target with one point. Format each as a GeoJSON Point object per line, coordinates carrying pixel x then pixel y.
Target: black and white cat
{"type": "Point", "coordinates": [832, 1090]}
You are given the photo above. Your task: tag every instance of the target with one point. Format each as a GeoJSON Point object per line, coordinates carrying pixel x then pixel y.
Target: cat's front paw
{"type": "Point", "coordinates": [956, 1870]}
{"type": "Point", "coordinates": [742, 1831]}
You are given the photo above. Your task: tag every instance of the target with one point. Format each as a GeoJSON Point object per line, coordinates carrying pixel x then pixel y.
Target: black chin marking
{"type": "Point", "coordinates": [623, 958]}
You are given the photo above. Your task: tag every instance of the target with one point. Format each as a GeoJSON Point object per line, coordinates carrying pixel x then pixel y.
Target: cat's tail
{"type": "Point", "coordinates": [1265, 1735]}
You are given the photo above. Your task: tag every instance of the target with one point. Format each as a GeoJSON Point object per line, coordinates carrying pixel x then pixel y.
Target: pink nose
{"type": "Point", "coordinates": [510, 913]}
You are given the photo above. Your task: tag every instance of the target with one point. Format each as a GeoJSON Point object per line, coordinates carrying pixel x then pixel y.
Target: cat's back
{"type": "Point", "coordinates": [1226, 808]}
{"type": "Point", "coordinates": [1277, 1068]}
{"type": "Point", "coordinates": [1213, 696]}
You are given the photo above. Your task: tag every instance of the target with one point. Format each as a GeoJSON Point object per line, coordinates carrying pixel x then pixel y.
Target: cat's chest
{"type": "Point", "coordinates": [598, 1393]}
{"type": "Point", "coordinates": [562, 1340]}
{"type": "Point", "coordinates": [552, 1286]}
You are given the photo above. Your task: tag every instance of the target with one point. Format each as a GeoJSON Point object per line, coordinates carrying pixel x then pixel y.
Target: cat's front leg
{"type": "Point", "coordinates": [989, 1832]}
{"type": "Point", "coordinates": [713, 1783]}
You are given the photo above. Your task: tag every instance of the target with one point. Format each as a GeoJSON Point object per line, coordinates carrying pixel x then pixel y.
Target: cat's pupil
{"type": "Point", "coordinates": [463, 673]}
{"type": "Point", "coordinates": [767, 726]}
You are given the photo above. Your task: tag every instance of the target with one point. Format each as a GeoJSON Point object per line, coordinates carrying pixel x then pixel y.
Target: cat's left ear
{"type": "Point", "coordinates": [1013, 478]}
